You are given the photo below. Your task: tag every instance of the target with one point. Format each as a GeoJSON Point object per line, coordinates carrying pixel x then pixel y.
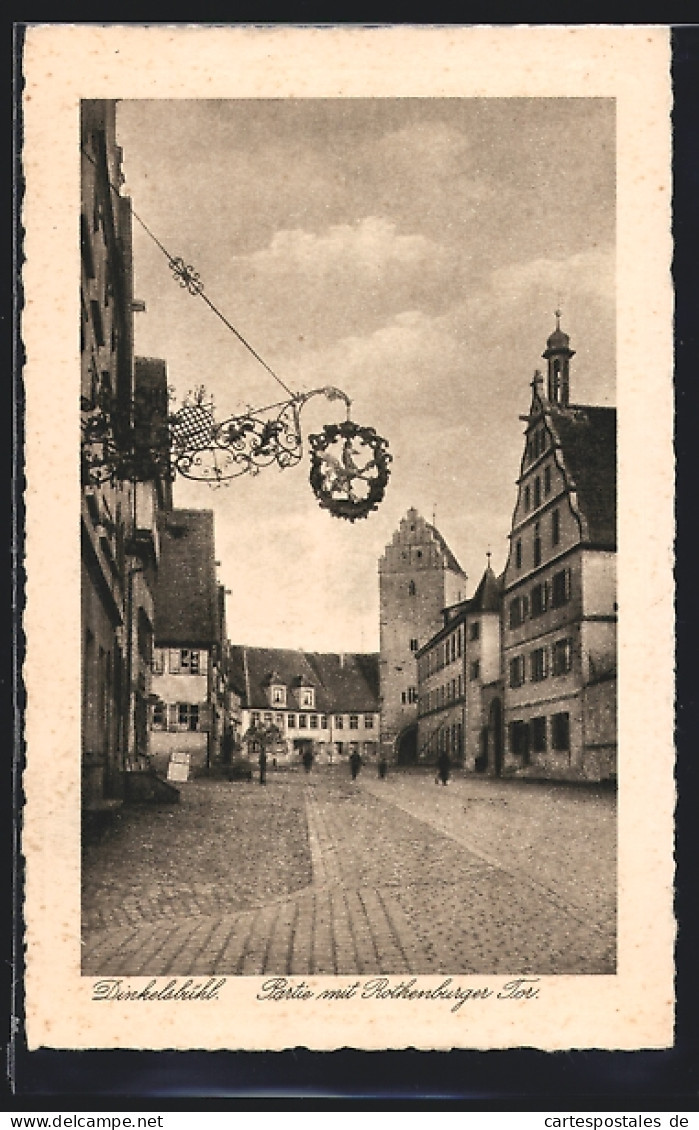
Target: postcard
{"type": "Point", "coordinates": [349, 529]}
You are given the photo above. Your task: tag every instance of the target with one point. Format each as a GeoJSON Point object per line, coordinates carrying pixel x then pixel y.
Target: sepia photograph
{"type": "Point", "coordinates": [355, 738]}
{"type": "Point", "coordinates": [364, 724]}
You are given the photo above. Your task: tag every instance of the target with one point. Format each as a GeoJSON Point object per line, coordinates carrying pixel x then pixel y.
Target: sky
{"type": "Point", "coordinates": [411, 252]}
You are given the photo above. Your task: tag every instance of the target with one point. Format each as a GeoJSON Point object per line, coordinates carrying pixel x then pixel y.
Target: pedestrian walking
{"type": "Point", "coordinates": [308, 759]}
{"type": "Point", "coordinates": [444, 767]}
{"type": "Point", "coordinates": [383, 767]}
{"type": "Point", "coordinates": [355, 764]}
{"type": "Point", "coordinates": [263, 766]}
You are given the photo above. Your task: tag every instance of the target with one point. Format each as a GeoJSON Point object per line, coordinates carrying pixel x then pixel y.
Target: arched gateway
{"type": "Point", "coordinates": [406, 746]}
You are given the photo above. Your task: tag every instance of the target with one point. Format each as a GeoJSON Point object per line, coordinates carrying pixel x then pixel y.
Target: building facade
{"type": "Point", "coordinates": [559, 591]}
{"type": "Point", "coordinates": [122, 401]}
{"type": "Point", "coordinates": [418, 578]}
{"type": "Point", "coordinates": [454, 667]}
{"type": "Point", "coordinates": [188, 714]}
{"type": "Point", "coordinates": [521, 678]}
{"type": "Point", "coordinates": [325, 704]}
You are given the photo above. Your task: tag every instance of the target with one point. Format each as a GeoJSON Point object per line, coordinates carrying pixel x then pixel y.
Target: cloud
{"type": "Point", "coordinates": [318, 287]}
{"type": "Point", "coordinates": [370, 245]}
{"type": "Point", "coordinates": [589, 273]}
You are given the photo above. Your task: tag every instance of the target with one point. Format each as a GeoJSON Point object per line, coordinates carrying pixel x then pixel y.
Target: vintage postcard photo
{"type": "Point", "coordinates": [349, 537]}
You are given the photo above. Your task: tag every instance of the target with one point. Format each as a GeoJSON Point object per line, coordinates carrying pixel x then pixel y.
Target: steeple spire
{"type": "Point", "coordinates": [558, 354]}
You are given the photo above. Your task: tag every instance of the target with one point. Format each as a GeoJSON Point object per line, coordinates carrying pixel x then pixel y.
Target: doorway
{"type": "Point", "coordinates": [495, 734]}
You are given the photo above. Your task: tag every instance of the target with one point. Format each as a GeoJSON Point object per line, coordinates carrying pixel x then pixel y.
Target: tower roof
{"type": "Point", "coordinates": [486, 598]}
{"type": "Point", "coordinates": [559, 340]}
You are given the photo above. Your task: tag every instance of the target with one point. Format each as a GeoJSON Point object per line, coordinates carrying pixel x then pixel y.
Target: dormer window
{"type": "Point", "coordinates": [307, 697]}
{"type": "Point", "coordinates": [278, 695]}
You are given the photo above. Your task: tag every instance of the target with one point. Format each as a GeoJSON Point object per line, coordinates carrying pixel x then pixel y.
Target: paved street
{"type": "Point", "coordinates": [317, 875]}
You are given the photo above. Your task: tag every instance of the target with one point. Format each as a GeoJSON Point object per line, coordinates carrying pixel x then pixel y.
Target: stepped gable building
{"type": "Point", "coordinates": [189, 679]}
{"type": "Point", "coordinates": [458, 670]}
{"type": "Point", "coordinates": [418, 577]}
{"type": "Point", "coordinates": [328, 703]}
{"type": "Point", "coordinates": [559, 598]}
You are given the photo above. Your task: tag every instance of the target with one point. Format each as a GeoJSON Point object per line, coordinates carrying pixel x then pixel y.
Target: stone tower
{"type": "Point", "coordinates": [418, 577]}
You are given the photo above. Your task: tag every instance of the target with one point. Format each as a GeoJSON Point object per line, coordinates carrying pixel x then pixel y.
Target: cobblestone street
{"type": "Point", "coordinates": [319, 875]}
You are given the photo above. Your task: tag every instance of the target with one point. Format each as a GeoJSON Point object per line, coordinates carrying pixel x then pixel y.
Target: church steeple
{"type": "Point", "coordinates": [558, 354]}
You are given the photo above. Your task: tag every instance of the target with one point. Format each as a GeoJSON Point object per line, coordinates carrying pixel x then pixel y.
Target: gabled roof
{"type": "Point", "coordinates": [587, 436]}
{"type": "Point", "coordinates": [344, 682]}
{"type": "Point", "coordinates": [186, 594]}
{"type": "Point", "coordinates": [449, 557]}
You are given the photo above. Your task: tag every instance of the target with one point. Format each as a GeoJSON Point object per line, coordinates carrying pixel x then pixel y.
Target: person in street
{"type": "Point", "coordinates": [263, 766]}
{"type": "Point", "coordinates": [355, 764]}
{"type": "Point", "coordinates": [444, 767]}
{"type": "Point", "coordinates": [308, 759]}
{"type": "Point", "coordinates": [383, 767]}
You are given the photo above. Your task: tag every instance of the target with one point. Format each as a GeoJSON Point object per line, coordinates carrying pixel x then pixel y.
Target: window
{"type": "Point", "coordinates": [268, 719]}
{"type": "Point", "coordinates": [158, 661]}
{"type": "Point", "coordinates": [560, 731]}
{"type": "Point", "coordinates": [255, 718]}
{"type": "Point", "coordinates": [518, 554]}
{"type": "Point", "coordinates": [323, 721]}
{"type": "Point", "coordinates": [547, 480]}
{"type": "Point", "coordinates": [460, 685]}
{"type": "Point", "coordinates": [517, 671]}
{"type": "Point", "coordinates": [187, 716]}
{"type": "Point", "coordinates": [515, 612]}
{"type": "Point", "coordinates": [411, 588]}
{"type": "Point", "coordinates": [189, 661]}
{"type": "Point", "coordinates": [538, 667]}
{"type": "Point", "coordinates": [475, 669]}
{"type": "Point", "coordinates": [368, 721]}
{"type": "Point", "coordinates": [413, 645]}
{"type": "Point", "coordinates": [339, 721]}
{"type": "Point", "coordinates": [308, 697]}
{"type": "Point", "coordinates": [519, 738]}
{"type": "Point", "coordinates": [537, 491]}
{"type": "Point", "coordinates": [560, 588]}
{"type": "Point", "coordinates": [540, 599]}
{"type": "Point", "coordinates": [279, 695]}
{"type": "Point", "coordinates": [527, 498]}
{"type": "Point", "coordinates": [475, 630]}
{"type": "Point", "coordinates": [562, 657]}
{"type": "Point", "coordinates": [158, 716]}
{"type": "Point", "coordinates": [458, 643]}
{"type": "Point", "coordinates": [537, 544]}
{"type": "Point", "coordinates": [537, 733]}
{"type": "Point", "coordinates": [291, 721]}
{"type": "Point", "coordinates": [555, 527]}
{"type": "Point", "coordinates": [453, 647]}
{"type": "Point", "coordinates": [354, 721]}
{"type": "Point", "coordinates": [303, 721]}
{"type": "Point", "coordinates": [412, 694]}
{"type": "Point", "coordinates": [314, 721]}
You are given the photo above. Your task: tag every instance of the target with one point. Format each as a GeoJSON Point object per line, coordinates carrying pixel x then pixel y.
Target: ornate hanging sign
{"type": "Point", "coordinates": [349, 463]}
{"type": "Point", "coordinates": [349, 469]}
